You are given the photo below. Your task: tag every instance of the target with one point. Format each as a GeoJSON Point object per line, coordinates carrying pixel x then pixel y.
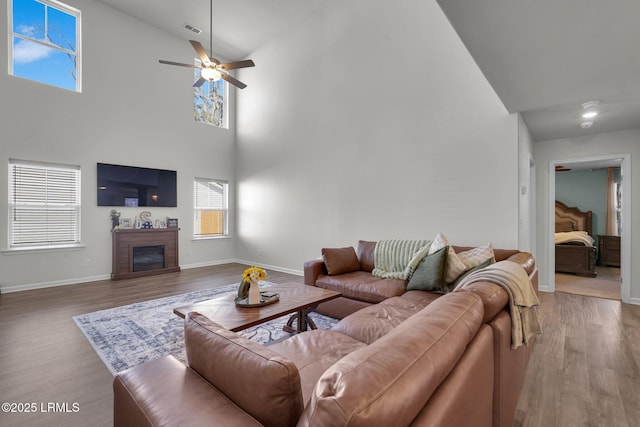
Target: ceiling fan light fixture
{"type": "Point", "coordinates": [211, 74]}
{"type": "Point", "coordinates": [590, 105]}
{"type": "Point", "coordinates": [212, 69]}
{"type": "Point", "coordinates": [586, 124]}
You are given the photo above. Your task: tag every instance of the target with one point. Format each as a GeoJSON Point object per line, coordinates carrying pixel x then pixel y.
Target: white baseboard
{"type": "Point", "coordinates": [272, 267]}
{"type": "Point", "coordinates": [206, 264]}
{"type": "Point", "coordinates": [42, 285]}
{"type": "Point", "coordinates": [76, 281]}
{"type": "Point", "coordinates": [635, 301]}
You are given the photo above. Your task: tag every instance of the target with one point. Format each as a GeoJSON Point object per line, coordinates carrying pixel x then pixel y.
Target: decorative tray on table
{"type": "Point", "coordinates": [266, 298]}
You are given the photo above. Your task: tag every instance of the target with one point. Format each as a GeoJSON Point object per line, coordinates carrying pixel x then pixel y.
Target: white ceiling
{"type": "Point", "coordinates": [239, 26]}
{"type": "Point", "coordinates": [544, 58]}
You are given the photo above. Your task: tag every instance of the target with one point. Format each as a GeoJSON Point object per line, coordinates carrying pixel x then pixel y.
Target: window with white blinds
{"type": "Point", "coordinates": [210, 210]}
{"type": "Point", "coordinates": [44, 205]}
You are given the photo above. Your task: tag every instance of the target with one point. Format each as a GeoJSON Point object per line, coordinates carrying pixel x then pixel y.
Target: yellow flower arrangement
{"type": "Point", "coordinates": [255, 273]}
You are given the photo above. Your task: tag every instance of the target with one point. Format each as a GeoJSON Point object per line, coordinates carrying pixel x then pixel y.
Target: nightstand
{"type": "Point", "coordinates": [609, 250]}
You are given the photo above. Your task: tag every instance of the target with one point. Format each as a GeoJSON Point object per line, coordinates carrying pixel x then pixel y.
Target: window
{"type": "Point", "coordinates": [210, 102]}
{"type": "Point", "coordinates": [44, 205]}
{"type": "Point", "coordinates": [210, 211]}
{"type": "Point", "coordinates": [45, 42]}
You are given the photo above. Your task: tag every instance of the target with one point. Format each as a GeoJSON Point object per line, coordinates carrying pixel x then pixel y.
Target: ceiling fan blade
{"type": "Point", "coordinates": [233, 81]}
{"type": "Point", "coordinates": [202, 54]}
{"type": "Point", "coordinates": [238, 64]}
{"type": "Point", "coordinates": [180, 64]}
{"type": "Point", "coordinates": [200, 82]}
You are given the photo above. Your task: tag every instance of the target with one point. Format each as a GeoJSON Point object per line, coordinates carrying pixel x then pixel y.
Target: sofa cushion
{"type": "Point", "coordinates": [366, 252]}
{"type": "Point", "coordinates": [374, 322]}
{"type": "Point", "coordinates": [480, 266]}
{"type": "Point", "coordinates": [313, 352]}
{"type": "Point", "coordinates": [363, 286]}
{"type": "Point", "coordinates": [455, 266]}
{"type": "Point", "coordinates": [263, 383]}
{"type": "Point", "coordinates": [429, 276]}
{"type": "Point", "coordinates": [476, 256]}
{"type": "Point", "coordinates": [340, 260]}
{"type": "Point", "coordinates": [420, 297]}
{"type": "Point", "coordinates": [387, 383]}
{"type": "Point", "coordinates": [165, 392]}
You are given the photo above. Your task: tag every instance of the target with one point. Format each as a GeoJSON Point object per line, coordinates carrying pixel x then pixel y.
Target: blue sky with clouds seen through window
{"type": "Point", "coordinates": [44, 44]}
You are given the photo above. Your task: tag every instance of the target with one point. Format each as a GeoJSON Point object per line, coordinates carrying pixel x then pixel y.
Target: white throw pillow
{"type": "Point", "coordinates": [455, 267]}
{"type": "Point", "coordinates": [477, 256]}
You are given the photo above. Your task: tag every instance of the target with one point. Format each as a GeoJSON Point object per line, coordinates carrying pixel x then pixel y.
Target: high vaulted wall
{"type": "Point", "coordinates": [132, 111]}
{"type": "Point", "coordinates": [369, 122]}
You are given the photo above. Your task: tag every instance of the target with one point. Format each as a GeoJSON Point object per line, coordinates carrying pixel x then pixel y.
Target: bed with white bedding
{"type": "Point", "coordinates": [575, 252]}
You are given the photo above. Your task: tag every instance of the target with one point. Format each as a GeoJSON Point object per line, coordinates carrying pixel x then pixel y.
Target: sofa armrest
{"type": "Point", "coordinates": [166, 392]}
{"type": "Point", "coordinates": [313, 270]}
{"type": "Point", "coordinates": [265, 384]}
{"type": "Point", "coordinates": [526, 260]}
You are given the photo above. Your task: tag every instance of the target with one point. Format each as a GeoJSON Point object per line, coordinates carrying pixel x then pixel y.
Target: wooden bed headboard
{"type": "Point", "coordinates": [581, 220]}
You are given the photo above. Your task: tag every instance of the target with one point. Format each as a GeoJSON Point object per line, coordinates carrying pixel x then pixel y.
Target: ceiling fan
{"type": "Point", "coordinates": [211, 68]}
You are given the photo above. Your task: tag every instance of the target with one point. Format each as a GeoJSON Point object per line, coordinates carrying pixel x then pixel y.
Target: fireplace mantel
{"type": "Point", "coordinates": [160, 242]}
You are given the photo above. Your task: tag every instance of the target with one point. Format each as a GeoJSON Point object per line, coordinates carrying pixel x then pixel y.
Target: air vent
{"type": "Point", "coordinates": [193, 29]}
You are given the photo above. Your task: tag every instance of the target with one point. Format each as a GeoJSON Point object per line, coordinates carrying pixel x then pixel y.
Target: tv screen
{"type": "Point", "coordinates": [133, 186]}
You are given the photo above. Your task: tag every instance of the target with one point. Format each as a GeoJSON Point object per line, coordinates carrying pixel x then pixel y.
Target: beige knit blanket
{"type": "Point", "coordinates": [523, 300]}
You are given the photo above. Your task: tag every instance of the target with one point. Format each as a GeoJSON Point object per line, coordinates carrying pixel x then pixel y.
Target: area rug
{"type": "Point", "coordinates": [133, 334]}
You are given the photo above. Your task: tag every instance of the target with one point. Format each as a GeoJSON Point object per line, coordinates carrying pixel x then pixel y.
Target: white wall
{"type": "Point", "coordinates": [604, 144]}
{"type": "Point", "coordinates": [132, 111]}
{"type": "Point", "coordinates": [366, 122]}
{"type": "Point", "coordinates": [371, 121]}
{"type": "Point", "coordinates": [526, 237]}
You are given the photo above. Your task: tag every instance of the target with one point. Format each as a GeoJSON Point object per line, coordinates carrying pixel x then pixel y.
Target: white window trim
{"type": "Point", "coordinates": [11, 248]}
{"type": "Point", "coordinates": [226, 234]}
{"type": "Point", "coordinates": [64, 8]}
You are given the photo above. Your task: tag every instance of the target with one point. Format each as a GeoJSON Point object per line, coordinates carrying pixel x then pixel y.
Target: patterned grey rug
{"type": "Point", "coordinates": [130, 335]}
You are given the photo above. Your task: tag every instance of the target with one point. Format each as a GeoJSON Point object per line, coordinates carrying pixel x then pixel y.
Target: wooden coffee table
{"type": "Point", "coordinates": [294, 298]}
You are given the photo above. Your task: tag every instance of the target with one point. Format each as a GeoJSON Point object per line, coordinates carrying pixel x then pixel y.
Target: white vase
{"type": "Point", "coordinates": [254, 293]}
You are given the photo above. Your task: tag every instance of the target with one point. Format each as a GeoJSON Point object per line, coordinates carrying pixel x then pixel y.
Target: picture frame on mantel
{"type": "Point", "coordinates": [172, 222]}
{"type": "Point", "coordinates": [126, 223]}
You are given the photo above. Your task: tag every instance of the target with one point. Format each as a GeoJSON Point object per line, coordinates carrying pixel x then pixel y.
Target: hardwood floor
{"type": "Point", "coordinates": [584, 370]}
{"type": "Point", "coordinates": [605, 285]}
{"type": "Point", "coordinates": [45, 358]}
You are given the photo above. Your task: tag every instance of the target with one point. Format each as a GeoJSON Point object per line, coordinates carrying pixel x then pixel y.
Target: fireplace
{"type": "Point", "coordinates": [147, 258]}
{"type": "Point", "coordinates": [142, 252]}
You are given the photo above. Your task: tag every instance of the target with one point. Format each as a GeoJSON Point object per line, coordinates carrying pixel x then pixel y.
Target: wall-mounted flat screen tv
{"type": "Point", "coordinates": [134, 186]}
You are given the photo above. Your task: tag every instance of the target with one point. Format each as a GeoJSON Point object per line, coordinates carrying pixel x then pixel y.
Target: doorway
{"type": "Point", "coordinates": [609, 281]}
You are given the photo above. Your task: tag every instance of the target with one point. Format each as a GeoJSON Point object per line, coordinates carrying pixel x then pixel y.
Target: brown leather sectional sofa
{"type": "Point", "coordinates": [380, 304]}
{"type": "Point", "coordinates": [416, 358]}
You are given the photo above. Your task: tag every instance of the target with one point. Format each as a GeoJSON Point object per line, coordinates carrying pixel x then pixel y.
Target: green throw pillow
{"type": "Point", "coordinates": [480, 266]}
{"type": "Point", "coordinates": [429, 276]}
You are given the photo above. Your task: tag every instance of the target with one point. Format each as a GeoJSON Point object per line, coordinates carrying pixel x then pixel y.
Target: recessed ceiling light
{"type": "Point", "coordinates": [589, 114]}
